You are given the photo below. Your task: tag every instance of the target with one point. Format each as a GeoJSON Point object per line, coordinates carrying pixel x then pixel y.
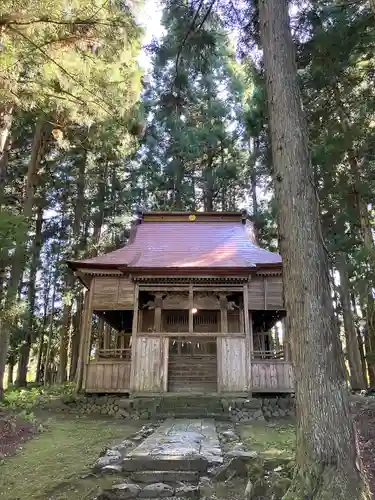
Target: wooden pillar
{"type": "Point", "coordinates": [85, 339]}
{"type": "Point", "coordinates": [246, 309]}
{"type": "Point", "coordinates": [164, 341]}
{"type": "Point", "coordinates": [157, 311]}
{"type": "Point", "coordinates": [223, 313]}
{"type": "Point", "coordinates": [99, 340]}
{"type": "Point", "coordinates": [107, 336]}
{"type": "Point", "coordinates": [248, 334]}
{"type": "Point", "coordinates": [133, 375]}
{"type": "Point", "coordinates": [191, 305]}
{"type": "Point", "coordinates": [286, 342]}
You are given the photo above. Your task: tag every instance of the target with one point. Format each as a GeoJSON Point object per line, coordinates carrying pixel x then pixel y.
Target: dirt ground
{"type": "Point", "coordinates": [13, 432]}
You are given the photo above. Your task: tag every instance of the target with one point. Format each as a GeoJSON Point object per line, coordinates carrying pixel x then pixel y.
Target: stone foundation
{"type": "Point", "coordinates": [158, 407]}
{"type": "Point", "coordinates": [242, 410]}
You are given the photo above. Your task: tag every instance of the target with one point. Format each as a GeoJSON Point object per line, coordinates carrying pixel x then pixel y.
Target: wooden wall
{"type": "Point", "coordinates": [272, 377]}
{"type": "Point", "coordinates": [232, 364]}
{"type": "Point", "coordinates": [108, 376]}
{"type": "Point", "coordinates": [112, 292]}
{"type": "Point", "coordinates": [149, 367]}
{"type": "Point", "coordinates": [266, 292]}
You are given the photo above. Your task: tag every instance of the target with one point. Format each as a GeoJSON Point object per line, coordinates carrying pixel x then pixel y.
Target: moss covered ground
{"type": "Point", "coordinates": [55, 464]}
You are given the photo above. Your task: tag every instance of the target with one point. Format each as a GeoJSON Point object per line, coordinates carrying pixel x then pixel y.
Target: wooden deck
{"type": "Point", "coordinates": [108, 376]}
{"type": "Point", "coordinates": [267, 376]}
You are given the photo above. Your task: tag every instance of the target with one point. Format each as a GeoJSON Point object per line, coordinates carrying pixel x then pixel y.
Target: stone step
{"type": "Point", "coordinates": [187, 414]}
{"type": "Point", "coordinates": [160, 476]}
{"type": "Point", "coordinates": [127, 491]}
{"type": "Point", "coordinates": [180, 463]}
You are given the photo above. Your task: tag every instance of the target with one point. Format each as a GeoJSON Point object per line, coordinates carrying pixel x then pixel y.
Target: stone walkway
{"type": "Point", "coordinates": [178, 439]}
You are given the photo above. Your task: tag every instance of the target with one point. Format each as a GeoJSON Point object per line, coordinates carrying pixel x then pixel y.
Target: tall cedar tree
{"type": "Point", "coordinates": [326, 447]}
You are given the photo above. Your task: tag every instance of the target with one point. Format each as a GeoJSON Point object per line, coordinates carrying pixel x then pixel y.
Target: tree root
{"type": "Point", "coordinates": [327, 483]}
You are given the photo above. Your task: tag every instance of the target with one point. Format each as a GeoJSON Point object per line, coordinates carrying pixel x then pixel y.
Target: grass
{"type": "Point", "coordinates": [53, 465]}
{"type": "Point", "coordinates": [272, 441]}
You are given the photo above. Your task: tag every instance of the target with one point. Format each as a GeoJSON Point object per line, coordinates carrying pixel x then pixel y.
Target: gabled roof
{"type": "Point", "coordinates": [185, 241]}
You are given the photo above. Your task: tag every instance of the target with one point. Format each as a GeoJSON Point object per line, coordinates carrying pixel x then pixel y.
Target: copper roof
{"type": "Point", "coordinates": [165, 240]}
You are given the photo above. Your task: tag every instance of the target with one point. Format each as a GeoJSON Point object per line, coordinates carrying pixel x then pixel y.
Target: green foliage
{"type": "Point", "coordinates": [77, 63]}
{"type": "Point", "coordinates": [12, 230]}
{"type": "Point", "coordinates": [36, 397]}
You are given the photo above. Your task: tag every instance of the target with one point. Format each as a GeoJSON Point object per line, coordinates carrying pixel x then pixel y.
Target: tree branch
{"type": "Point", "coordinates": [189, 30]}
{"type": "Point", "coordinates": [72, 77]}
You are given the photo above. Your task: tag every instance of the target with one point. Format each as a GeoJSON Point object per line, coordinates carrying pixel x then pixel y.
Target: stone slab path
{"type": "Point", "coordinates": [178, 439]}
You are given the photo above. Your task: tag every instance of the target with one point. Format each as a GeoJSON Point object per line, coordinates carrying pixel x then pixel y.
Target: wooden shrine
{"type": "Point", "coordinates": [190, 304]}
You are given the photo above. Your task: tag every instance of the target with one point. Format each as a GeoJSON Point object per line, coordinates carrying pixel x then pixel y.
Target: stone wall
{"type": "Point", "coordinates": [236, 410]}
{"type": "Point", "coordinates": [242, 410]}
{"type": "Point", "coordinates": [111, 405]}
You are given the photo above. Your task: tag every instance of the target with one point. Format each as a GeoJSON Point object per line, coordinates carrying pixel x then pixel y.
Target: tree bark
{"type": "Point", "coordinates": [326, 452]}
{"type": "Point", "coordinates": [18, 261]}
{"type": "Point", "coordinates": [357, 381]}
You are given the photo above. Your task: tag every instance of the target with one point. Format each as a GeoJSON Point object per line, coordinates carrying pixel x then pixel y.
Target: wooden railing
{"type": "Point", "coordinates": [124, 354]}
{"type": "Point", "coordinates": [273, 354]}
{"type": "Point", "coordinates": [271, 376]}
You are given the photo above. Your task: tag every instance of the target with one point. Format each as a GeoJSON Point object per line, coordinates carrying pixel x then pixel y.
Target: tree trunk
{"type": "Point", "coordinates": [41, 347]}
{"type": "Point", "coordinates": [254, 153]}
{"type": "Point", "coordinates": [47, 365]}
{"type": "Point", "coordinates": [66, 325]}
{"type": "Point", "coordinates": [4, 160]}
{"type": "Point", "coordinates": [24, 353]}
{"type": "Point", "coordinates": [208, 185]}
{"type": "Point", "coordinates": [372, 5]}
{"type": "Point", "coordinates": [357, 381]}
{"type": "Point", "coordinates": [18, 261]}
{"type": "Point", "coordinates": [326, 452]}
{"type": "Point", "coordinates": [6, 114]}
{"type": "Point", "coordinates": [10, 373]}
{"type": "Point", "coordinates": [74, 352]}
{"type": "Point", "coordinates": [361, 339]}
{"type": "Point", "coordinates": [365, 231]}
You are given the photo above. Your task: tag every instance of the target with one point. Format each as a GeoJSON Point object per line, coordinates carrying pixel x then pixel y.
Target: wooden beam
{"type": "Point", "coordinates": [134, 335]}
{"type": "Point", "coordinates": [193, 334]}
{"type": "Point", "coordinates": [191, 305]}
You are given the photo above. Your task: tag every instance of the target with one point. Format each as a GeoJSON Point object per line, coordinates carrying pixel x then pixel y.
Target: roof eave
{"type": "Point", "coordinates": [185, 271]}
{"type": "Point", "coordinates": [76, 264]}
